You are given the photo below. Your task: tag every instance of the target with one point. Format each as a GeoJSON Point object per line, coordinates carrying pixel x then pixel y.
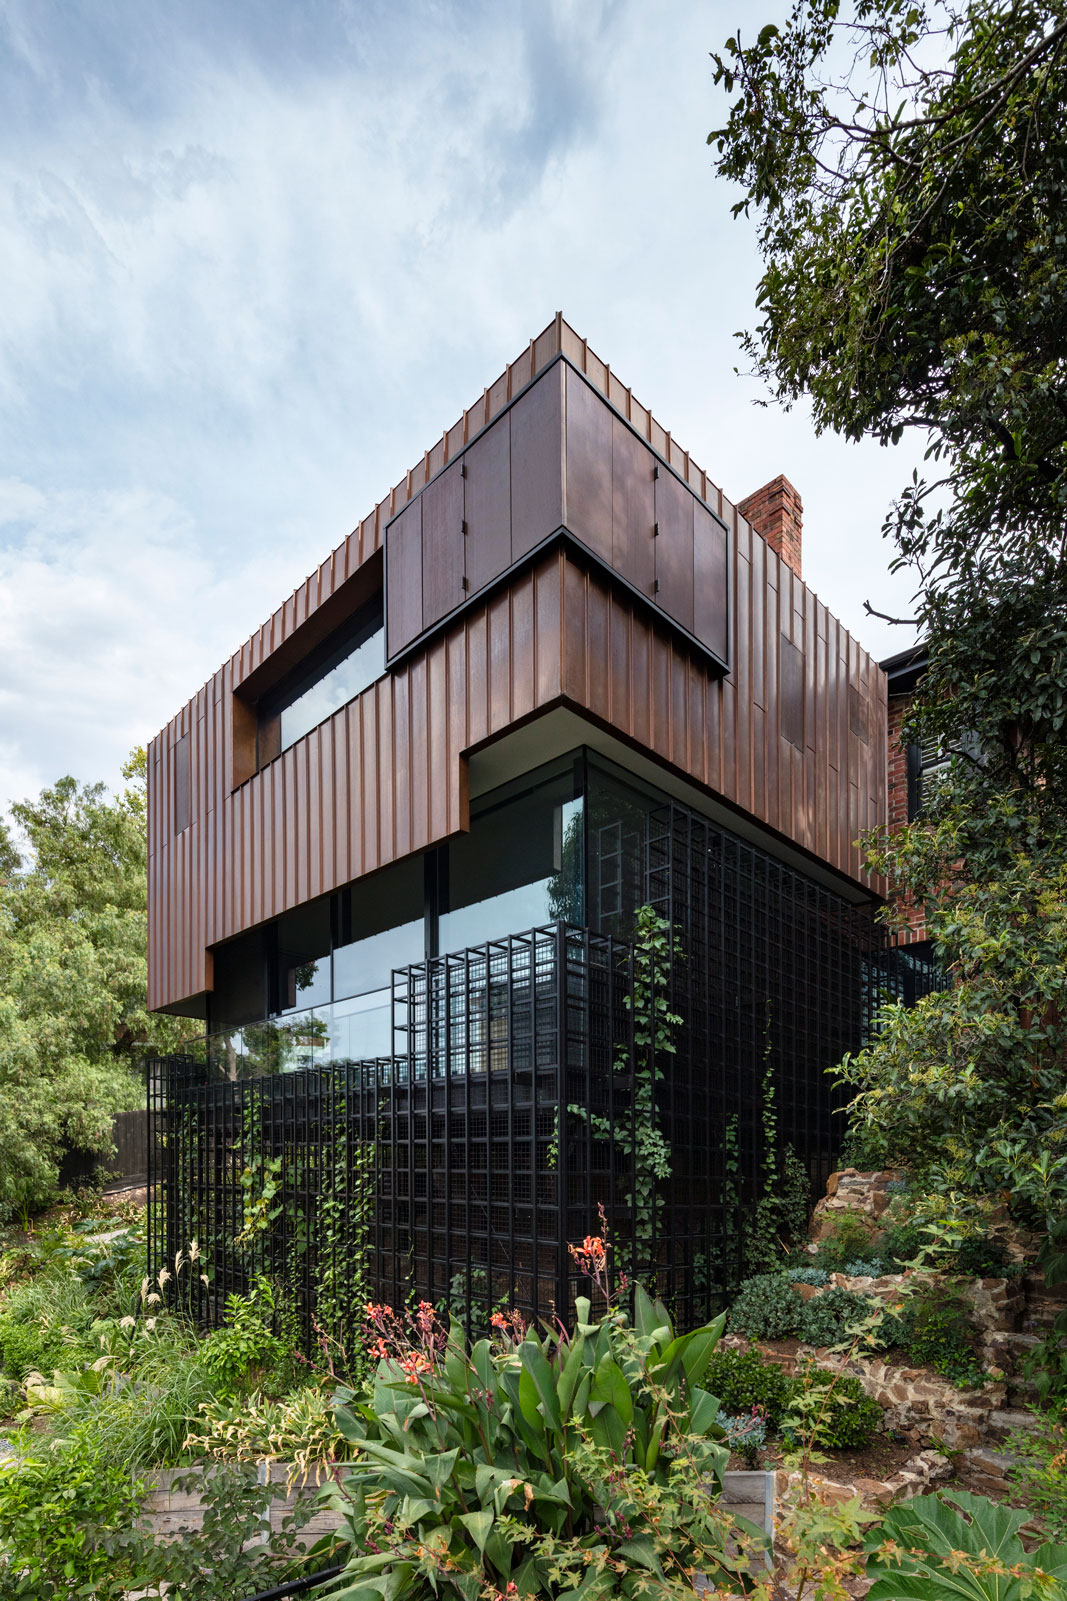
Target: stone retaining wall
{"type": "Point", "coordinates": [170, 1512]}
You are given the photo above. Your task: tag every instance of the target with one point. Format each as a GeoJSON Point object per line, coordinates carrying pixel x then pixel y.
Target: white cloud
{"type": "Point", "coordinates": [246, 284]}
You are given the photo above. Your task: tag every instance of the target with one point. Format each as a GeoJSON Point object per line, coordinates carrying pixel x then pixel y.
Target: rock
{"type": "Point", "coordinates": [1005, 1422]}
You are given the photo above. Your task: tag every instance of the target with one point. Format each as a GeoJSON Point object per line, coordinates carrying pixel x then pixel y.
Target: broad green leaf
{"type": "Point", "coordinates": [535, 1363]}
{"type": "Point", "coordinates": [644, 1312]}
{"type": "Point", "coordinates": [611, 1389]}
{"type": "Point", "coordinates": [703, 1411]}
{"type": "Point", "coordinates": [482, 1363]}
{"type": "Point", "coordinates": [570, 1374]}
{"type": "Point", "coordinates": [479, 1524]}
{"type": "Point", "coordinates": [530, 1400]}
{"type": "Point", "coordinates": [441, 1466]}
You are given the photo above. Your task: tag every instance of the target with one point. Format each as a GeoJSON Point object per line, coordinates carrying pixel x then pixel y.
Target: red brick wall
{"type": "Point", "coordinates": [777, 512]}
{"type": "Point", "coordinates": [914, 928]}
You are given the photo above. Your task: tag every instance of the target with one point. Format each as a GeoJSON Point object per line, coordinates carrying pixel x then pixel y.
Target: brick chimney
{"type": "Point", "coordinates": [777, 512]}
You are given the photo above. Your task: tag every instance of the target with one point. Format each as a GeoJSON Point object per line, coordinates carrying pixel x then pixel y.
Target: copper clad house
{"type": "Point", "coordinates": [400, 844]}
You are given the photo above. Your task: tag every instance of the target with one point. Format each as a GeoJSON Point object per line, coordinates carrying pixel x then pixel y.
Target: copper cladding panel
{"type": "Point", "coordinates": [404, 587]}
{"type": "Point", "coordinates": [710, 583]}
{"type": "Point", "coordinates": [674, 548]}
{"type": "Point", "coordinates": [588, 507]}
{"type": "Point", "coordinates": [633, 508]}
{"type": "Point", "coordinates": [536, 463]}
{"type": "Point", "coordinates": [443, 554]}
{"type": "Point", "coordinates": [561, 632]}
{"type": "Point", "coordinates": [387, 773]}
{"type": "Point", "coordinates": [487, 504]}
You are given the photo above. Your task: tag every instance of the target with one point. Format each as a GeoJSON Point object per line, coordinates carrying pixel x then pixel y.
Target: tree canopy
{"type": "Point", "coordinates": [907, 170]}
{"type": "Point", "coordinates": [73, 972]}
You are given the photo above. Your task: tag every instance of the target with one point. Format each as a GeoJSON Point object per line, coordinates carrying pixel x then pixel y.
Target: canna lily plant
{"type": "Point", "coordinates": [582, 1463]}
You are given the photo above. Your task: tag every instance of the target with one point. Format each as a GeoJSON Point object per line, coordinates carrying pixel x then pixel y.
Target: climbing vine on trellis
{"type": "Point", "coordinates": [640, 1138]}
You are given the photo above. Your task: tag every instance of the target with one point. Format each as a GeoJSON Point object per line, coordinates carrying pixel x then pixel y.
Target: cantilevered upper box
{"type": "Point", "coordinates": [555, 572]}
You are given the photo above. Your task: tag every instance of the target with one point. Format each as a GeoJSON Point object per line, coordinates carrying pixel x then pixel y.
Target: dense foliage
{"type": "Point", "coordinates": [907, 167]}
{"type": "Point", "coordinates": [73, 971]}
{"type": "Point", "coordinates": [581, 1462]}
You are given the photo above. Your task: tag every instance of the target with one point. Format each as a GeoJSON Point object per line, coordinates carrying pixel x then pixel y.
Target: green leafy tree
{"type": "Point", "coordinates": [907, 170]}
{"type": "Point", "coordinates": [73, 973]}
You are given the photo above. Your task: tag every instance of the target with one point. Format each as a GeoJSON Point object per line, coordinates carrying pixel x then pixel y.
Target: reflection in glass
{"type": "Point", "coordinates": [519, 866]}
{"type": "Point", "coordinates": [363, 663]}
{"type": "Point", "coordinates": [304, 957]}
{"type": "Point", "coordinates": [382, 926]}
{"type": "Point", "coordinates": [620, 824]}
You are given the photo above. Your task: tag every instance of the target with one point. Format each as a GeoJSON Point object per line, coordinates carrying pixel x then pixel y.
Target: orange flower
{"type": "Point", "coordinates": [413, 1365]}
{"type": "Point", "coordinates": [498, 1320]}
{"type": "Point", "coordinates": [426, 1317]}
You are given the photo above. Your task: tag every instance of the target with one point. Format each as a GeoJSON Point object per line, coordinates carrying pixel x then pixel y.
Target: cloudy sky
{"type": "Point", "coordinates": [256, 254]}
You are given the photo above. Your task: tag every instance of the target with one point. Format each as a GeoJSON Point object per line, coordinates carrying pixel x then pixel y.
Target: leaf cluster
{"type": "Point", "coordinates": [73, 978]}
{"type": "Point", "coordinates": [559, 1462]}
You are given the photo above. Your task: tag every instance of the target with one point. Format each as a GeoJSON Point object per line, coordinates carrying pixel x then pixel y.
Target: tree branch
{"type": "Point", "coordinates": [904, 622]}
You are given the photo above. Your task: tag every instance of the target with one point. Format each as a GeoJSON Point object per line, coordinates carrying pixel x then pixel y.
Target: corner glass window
{"type": "Point", "coordinates": [519, 866]}
{"type": "Point", "coordinates": [345, 665]}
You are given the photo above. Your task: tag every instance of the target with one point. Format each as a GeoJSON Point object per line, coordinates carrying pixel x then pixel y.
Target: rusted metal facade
{"type": "Point", "coordinates": [555, 548]}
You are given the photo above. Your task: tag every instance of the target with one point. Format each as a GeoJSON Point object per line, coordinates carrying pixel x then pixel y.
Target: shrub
{"type": "Point", "coordinates": [144, 1422]}
{"type": "Point", "coordinates": [1041, 1470]}
{"type": "Point", "coordinates": [982, 1256]}
{"type": "Point", "coordinates": [860, 1269]}
{"type": "Point", "coordinates": [807, 1275]}
{"type": "Point", "coordinates": [747, 1435]}
{"type": "Point", "coordinates": [27, 1348]}
{"type": "Point", "coordinates": [903, 1242]}
{"type": "Point", "coordinates": [136, 1397]}
{"type": "Point", "coordinates": [42, 1319]}
{"type": "Point", "coordinates": [232, 1554]}
{"type": "Point", "coordinates": [938, 1331]}
{"type": "Point", "coordinates": [59, 1514]}
{"type": "Point", "coordinates": [849, 1241]}
{"type": "Point", "coordinates": [834, 1316]}
{"type": "Point", "coordinates": [300, 1428]}
{"type": "Point", "coordinates": [766, 1308]}
{"type": "Point", "coordinates": [830, 1411]}
{"type": "Point", "coordinates": [742, 1381]}
{"type": "Point", "coordinates": [535, 1465]}
{"type": "Point", "coordinates": [246, 1353]}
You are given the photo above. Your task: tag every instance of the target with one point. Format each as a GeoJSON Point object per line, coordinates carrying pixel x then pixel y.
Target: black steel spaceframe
{"type": "Point", "coordinates": [457, 1169]}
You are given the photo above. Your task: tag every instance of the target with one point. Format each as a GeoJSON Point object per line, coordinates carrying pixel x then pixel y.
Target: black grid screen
{"type": "Point", "coordinates": [457, 1170]}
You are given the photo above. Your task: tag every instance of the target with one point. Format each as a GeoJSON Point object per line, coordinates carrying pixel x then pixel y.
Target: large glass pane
{"type": "Point", "coordinates": [363, 663]}
{"type": "Point", "coordinates": [382, 927]}
{"type": "Point", "coordinates": [519, 866]}
{"type": "Point", "coordinates": [620, 828]}
{"type": "Point", "coordinates": [304, 957]}
{"type": "Point", "coordinates": [361, 1027]}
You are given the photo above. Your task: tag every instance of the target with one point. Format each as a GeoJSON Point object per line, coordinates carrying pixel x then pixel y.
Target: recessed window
{"type": "Point", "coordinates": [791, 693]}
{"type": "Point", "coordinates": [183, 786]}
{"type": "Point", "coordinates": [349, 661]}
